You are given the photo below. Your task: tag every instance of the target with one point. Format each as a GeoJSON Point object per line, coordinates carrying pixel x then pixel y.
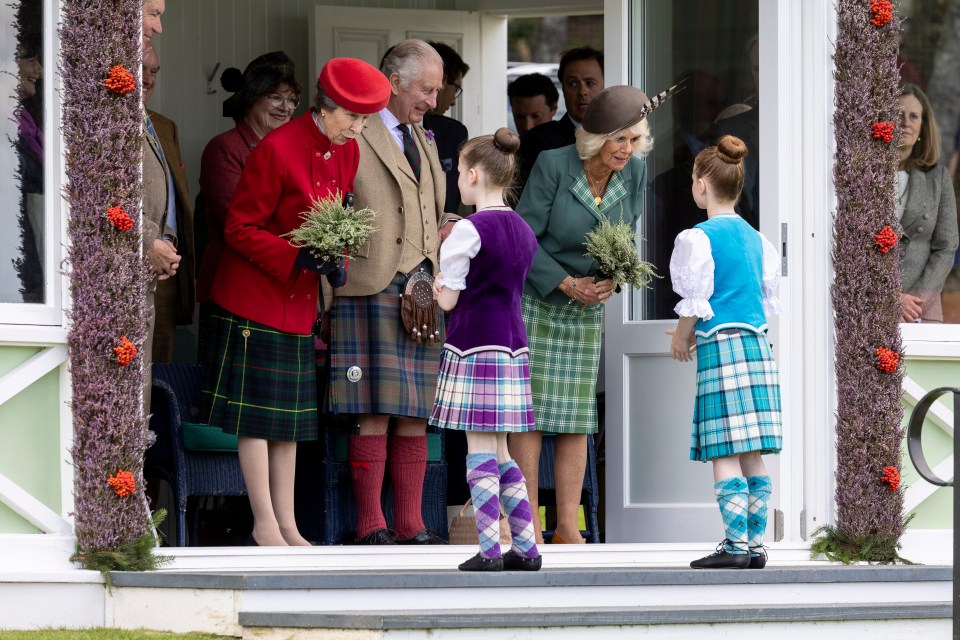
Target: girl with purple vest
{"type": "Point", "coordinates": [727, 275]}
{"type": "Point", "coordinates": [484, 382]}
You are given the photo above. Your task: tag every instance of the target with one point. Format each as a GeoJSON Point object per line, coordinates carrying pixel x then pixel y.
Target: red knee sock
{"type": "Point", "coordinates": [368, 456]}
{"type": "Point", "coordinates": [408, 465]}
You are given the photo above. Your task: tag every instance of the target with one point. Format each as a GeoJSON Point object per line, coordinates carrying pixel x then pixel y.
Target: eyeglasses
{"type": "Point", "coordinates": [458, 88]}
{"type": "Point", "coordinates": [277, 100]}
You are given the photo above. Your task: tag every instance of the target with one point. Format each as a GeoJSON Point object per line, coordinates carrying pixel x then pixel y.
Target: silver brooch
{"type": "Point", "coordinates": [354, 374]}
{"type": "Point", "coordinates": [326, 156]}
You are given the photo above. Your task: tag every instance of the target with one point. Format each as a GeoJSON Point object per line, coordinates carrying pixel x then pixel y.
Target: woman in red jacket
{"type": "Point", "coordinates": [260, 367]}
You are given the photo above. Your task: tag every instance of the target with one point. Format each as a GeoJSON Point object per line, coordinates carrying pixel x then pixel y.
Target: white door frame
{"type": "Point", "coordinates": [800, 99]}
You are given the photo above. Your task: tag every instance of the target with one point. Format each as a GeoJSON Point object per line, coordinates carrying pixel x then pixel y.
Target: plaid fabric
{"type": "Point", "coordinates": [260, 382]}
{"type": "Point", "coordinates": [564, 358]}
{"type": "Point", "coordinates": [738, 396]}
{"type": "Point", "coordinates": [399, 376]}
{"type": "Point", "coordinates": [485, 391]}
{"type": "Point", "coordinates": [614, 194]}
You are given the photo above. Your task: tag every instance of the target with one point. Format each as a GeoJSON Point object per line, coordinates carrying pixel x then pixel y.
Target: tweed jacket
{"type": "Point", "coordinates": [154, 199]}
{"type": "Point", "coordinates": [929, 237]}
{"type": "Point", "coordinates": [385, 184]}
{"type": "Point", "coordinates": [166, 130]}
{"type": "Point", "coordinates": [561, 220]}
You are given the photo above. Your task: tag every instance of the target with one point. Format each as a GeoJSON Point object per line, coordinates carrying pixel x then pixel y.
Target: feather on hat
{"type": "Point", "coordinates": [622, 106]}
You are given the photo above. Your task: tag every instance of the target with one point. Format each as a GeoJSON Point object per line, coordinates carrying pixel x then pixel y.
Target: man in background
{"type": "Point", "coordinates": [175, 295]}
{"type": "Point", "coordinates": [533, 101]}
{"type": "Point", "coordinates": [581, 78]}
{"type": "Point", "coordinates": [449, 134]}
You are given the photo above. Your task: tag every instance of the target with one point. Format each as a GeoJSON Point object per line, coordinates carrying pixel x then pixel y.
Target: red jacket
{"type": "Point", "coordinates": [257, 278]}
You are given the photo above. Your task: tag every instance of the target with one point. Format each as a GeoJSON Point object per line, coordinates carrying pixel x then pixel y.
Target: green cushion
{"type": "Point", "coordinates": [207, 437]}
{"type": "Point", "coordinates": [340, 439]}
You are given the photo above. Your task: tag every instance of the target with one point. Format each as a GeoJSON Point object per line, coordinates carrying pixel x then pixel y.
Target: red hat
{"type": "Point", "coordinates": [355, 85]}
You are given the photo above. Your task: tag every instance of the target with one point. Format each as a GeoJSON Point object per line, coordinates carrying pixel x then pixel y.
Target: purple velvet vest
{"type": "Point", "coordinates": [487, 316]}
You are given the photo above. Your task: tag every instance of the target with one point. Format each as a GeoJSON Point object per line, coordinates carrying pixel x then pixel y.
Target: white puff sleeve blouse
{"type": "Point", "coordinates": [692, 267]}
{"type": "Point", "coordinates": [461, 246]}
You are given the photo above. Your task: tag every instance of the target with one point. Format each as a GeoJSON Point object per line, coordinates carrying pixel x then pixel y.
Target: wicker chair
{"type": "Point", "coordinates": [191, 474]}
{"type": "Point", "coordinates": [339, 508]}
{"type": "Point", "coordinates": [590, 498]}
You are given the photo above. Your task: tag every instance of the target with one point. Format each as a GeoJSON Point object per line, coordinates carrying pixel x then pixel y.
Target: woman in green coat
{"type": "Point", "coordinates": [569, 192]}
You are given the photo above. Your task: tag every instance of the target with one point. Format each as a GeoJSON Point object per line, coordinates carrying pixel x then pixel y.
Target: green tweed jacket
{"type": "Point", "coordinates": [557, 204]}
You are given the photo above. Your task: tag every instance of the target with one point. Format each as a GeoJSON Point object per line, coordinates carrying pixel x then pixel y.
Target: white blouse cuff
{"type": "Point", "coordinates": [690, 307]}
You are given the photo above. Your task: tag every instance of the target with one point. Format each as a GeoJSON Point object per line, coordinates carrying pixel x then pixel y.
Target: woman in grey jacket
{"type": "Point", "coordinates": [927, 209]}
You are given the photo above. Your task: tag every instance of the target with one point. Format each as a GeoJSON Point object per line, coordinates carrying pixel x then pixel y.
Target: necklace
{"type": "Point", "coordinates": [599, 185]}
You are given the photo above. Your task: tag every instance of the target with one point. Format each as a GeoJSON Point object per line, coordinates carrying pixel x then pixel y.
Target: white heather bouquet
{"type": "Point", "coordinates": [613, 248]}
{"type": "Point", "coordinates": [332, 229]}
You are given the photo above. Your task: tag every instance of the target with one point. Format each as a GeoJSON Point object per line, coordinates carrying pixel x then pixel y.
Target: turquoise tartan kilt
{"type": "Point", "coordinates": [259, 382]}
{"type": "Point", "coordinates": [564, 343]}
{"type": "Point", "coordinates": [738, 396]}
{"type": "Point", "coordinates": [398, 376]}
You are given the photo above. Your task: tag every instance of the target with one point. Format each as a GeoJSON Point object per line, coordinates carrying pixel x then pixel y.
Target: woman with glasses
{"type": "Point", "coordinates": [260, 371]}
{"type": "Point", "coordinates": [570, 190]}
{"type": "Point", "coordinates": [264, 97]}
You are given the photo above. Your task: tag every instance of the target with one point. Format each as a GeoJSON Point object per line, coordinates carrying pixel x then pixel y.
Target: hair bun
{"type": "Point", "coordinates": [506, 140]}
{"type": "Point", "coordinates": [231, 79]}
{"type": "Point", "coordinates": [731, 149]}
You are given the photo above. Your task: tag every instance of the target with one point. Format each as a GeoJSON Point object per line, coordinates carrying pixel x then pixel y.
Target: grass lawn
{"type": "Point", "coordinates": [102, 634]}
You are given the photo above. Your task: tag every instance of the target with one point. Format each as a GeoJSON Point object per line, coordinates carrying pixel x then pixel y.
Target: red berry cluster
{"type": "Point", "coordinates": [882, 12]}
{"type": "Point", "coordinates": [892, 477]}
{"type": "Point", "coordinates": [887, 360]}
{"type": "Point", "coordinates": [123, 483]}
{"type": "Point", "coordinates": [126, 351]}
{"type": "Point", "coordinates": [120, 80]}
{"type": "Point", "coordinates": [886, 239]}
{"type": "Point", "coordinates": [119, 218]}
{"type": "Point", "coordinates": [883, 131]}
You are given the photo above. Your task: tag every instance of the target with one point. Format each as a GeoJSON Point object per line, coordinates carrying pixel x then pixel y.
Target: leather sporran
{"type": "Point", "coordinates": [463, 528]}
{"type": "Point", "coordinates": [419, 312]}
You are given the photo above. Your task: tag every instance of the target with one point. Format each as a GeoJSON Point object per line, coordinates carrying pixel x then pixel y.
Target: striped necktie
{"type": "Point", "coordinates": [410, 150]}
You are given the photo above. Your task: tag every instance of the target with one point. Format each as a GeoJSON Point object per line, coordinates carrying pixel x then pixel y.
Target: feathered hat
{"type": "Point", "coordinates": [620, 107]}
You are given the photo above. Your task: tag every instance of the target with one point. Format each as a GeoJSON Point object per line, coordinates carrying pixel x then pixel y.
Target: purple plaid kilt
{"type": "Point", "coordinates": [259, 382]}
{"type": "Point", "coordinates": [398, 376]}
{"type": "Point", "coordinates": [484, 391]}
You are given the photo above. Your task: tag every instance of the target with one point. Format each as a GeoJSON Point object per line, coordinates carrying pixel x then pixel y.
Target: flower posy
{"type": "Point", "coordinates": [332, 229]}
{"type": "Point", "coordinates": [613, 247]}
{"type": "Point", "coordinates": [123, 483]}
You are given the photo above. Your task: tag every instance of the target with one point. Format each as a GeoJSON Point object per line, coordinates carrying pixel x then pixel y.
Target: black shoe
{"type": "Point", "coordinates": [722, 559]}
{"type": "Point", "coordinates": [424, 537]}
{"type": "Point", "coordinates": [377, 536]}
{"type": "Point", "coordinates": [513, 561]}
{"type": "Point", "coordinates": [758, 561]}
{"type": "Point", "coordinates": [479, 563]}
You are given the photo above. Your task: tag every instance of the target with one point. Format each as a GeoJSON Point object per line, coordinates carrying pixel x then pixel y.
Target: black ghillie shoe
{"type": "Point", "coordinates": [479, 563]}
{"type": "Point", "coordinates": [424, 537]}
{"type": "Point", "coordinates": [758, 561]}
{"type": "Point", "coordinates": [377, 536]}
{"type": "Point", "coordinates": [513, 561]}
{"type": "Point", "coordinates": [722, 559]}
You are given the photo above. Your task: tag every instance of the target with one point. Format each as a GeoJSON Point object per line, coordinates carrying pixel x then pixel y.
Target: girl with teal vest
{"type": "Point", "coordinates": [727, 275]}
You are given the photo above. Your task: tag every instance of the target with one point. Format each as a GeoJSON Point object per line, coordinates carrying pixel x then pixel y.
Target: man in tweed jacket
{"type": "Point", "coordinates": [378, 375]}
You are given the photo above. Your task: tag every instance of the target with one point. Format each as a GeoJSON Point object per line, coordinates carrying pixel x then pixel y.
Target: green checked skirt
{"type": "Point", "coordinates": [564, 343]}
{"type": "Point", "coordinates": [259, 382]}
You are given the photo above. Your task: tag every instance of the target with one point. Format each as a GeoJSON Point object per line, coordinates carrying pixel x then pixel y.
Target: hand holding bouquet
{"type": "Point", "coordinates": [333, 230]}
{"type": "Point", "coordinates": [613, 247]}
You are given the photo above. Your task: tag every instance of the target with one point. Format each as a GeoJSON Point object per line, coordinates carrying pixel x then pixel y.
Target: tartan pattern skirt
{"type": "Point", "coordinates": [564, 345]}
{"type": "Point", "coordinates": [398, 377]}
{"type": "Point", "coordinates": [738, 396]}
{"type": "Point", "coordinates": [259, 382]}
{"type": "Point", "coordinates": [484, 391]}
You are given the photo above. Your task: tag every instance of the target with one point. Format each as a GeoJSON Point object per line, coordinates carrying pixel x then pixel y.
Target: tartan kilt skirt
{"type": "Point", "coordinates": [485, 391]}
{"type": "Point", "coordinates": [564, 345]}
{"type": "Point", "coordinates": [398, 377]}
{"type": "Point", "coordinates": [737, 408]}
{"type": "Point", "coordinates": [259, 382]}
